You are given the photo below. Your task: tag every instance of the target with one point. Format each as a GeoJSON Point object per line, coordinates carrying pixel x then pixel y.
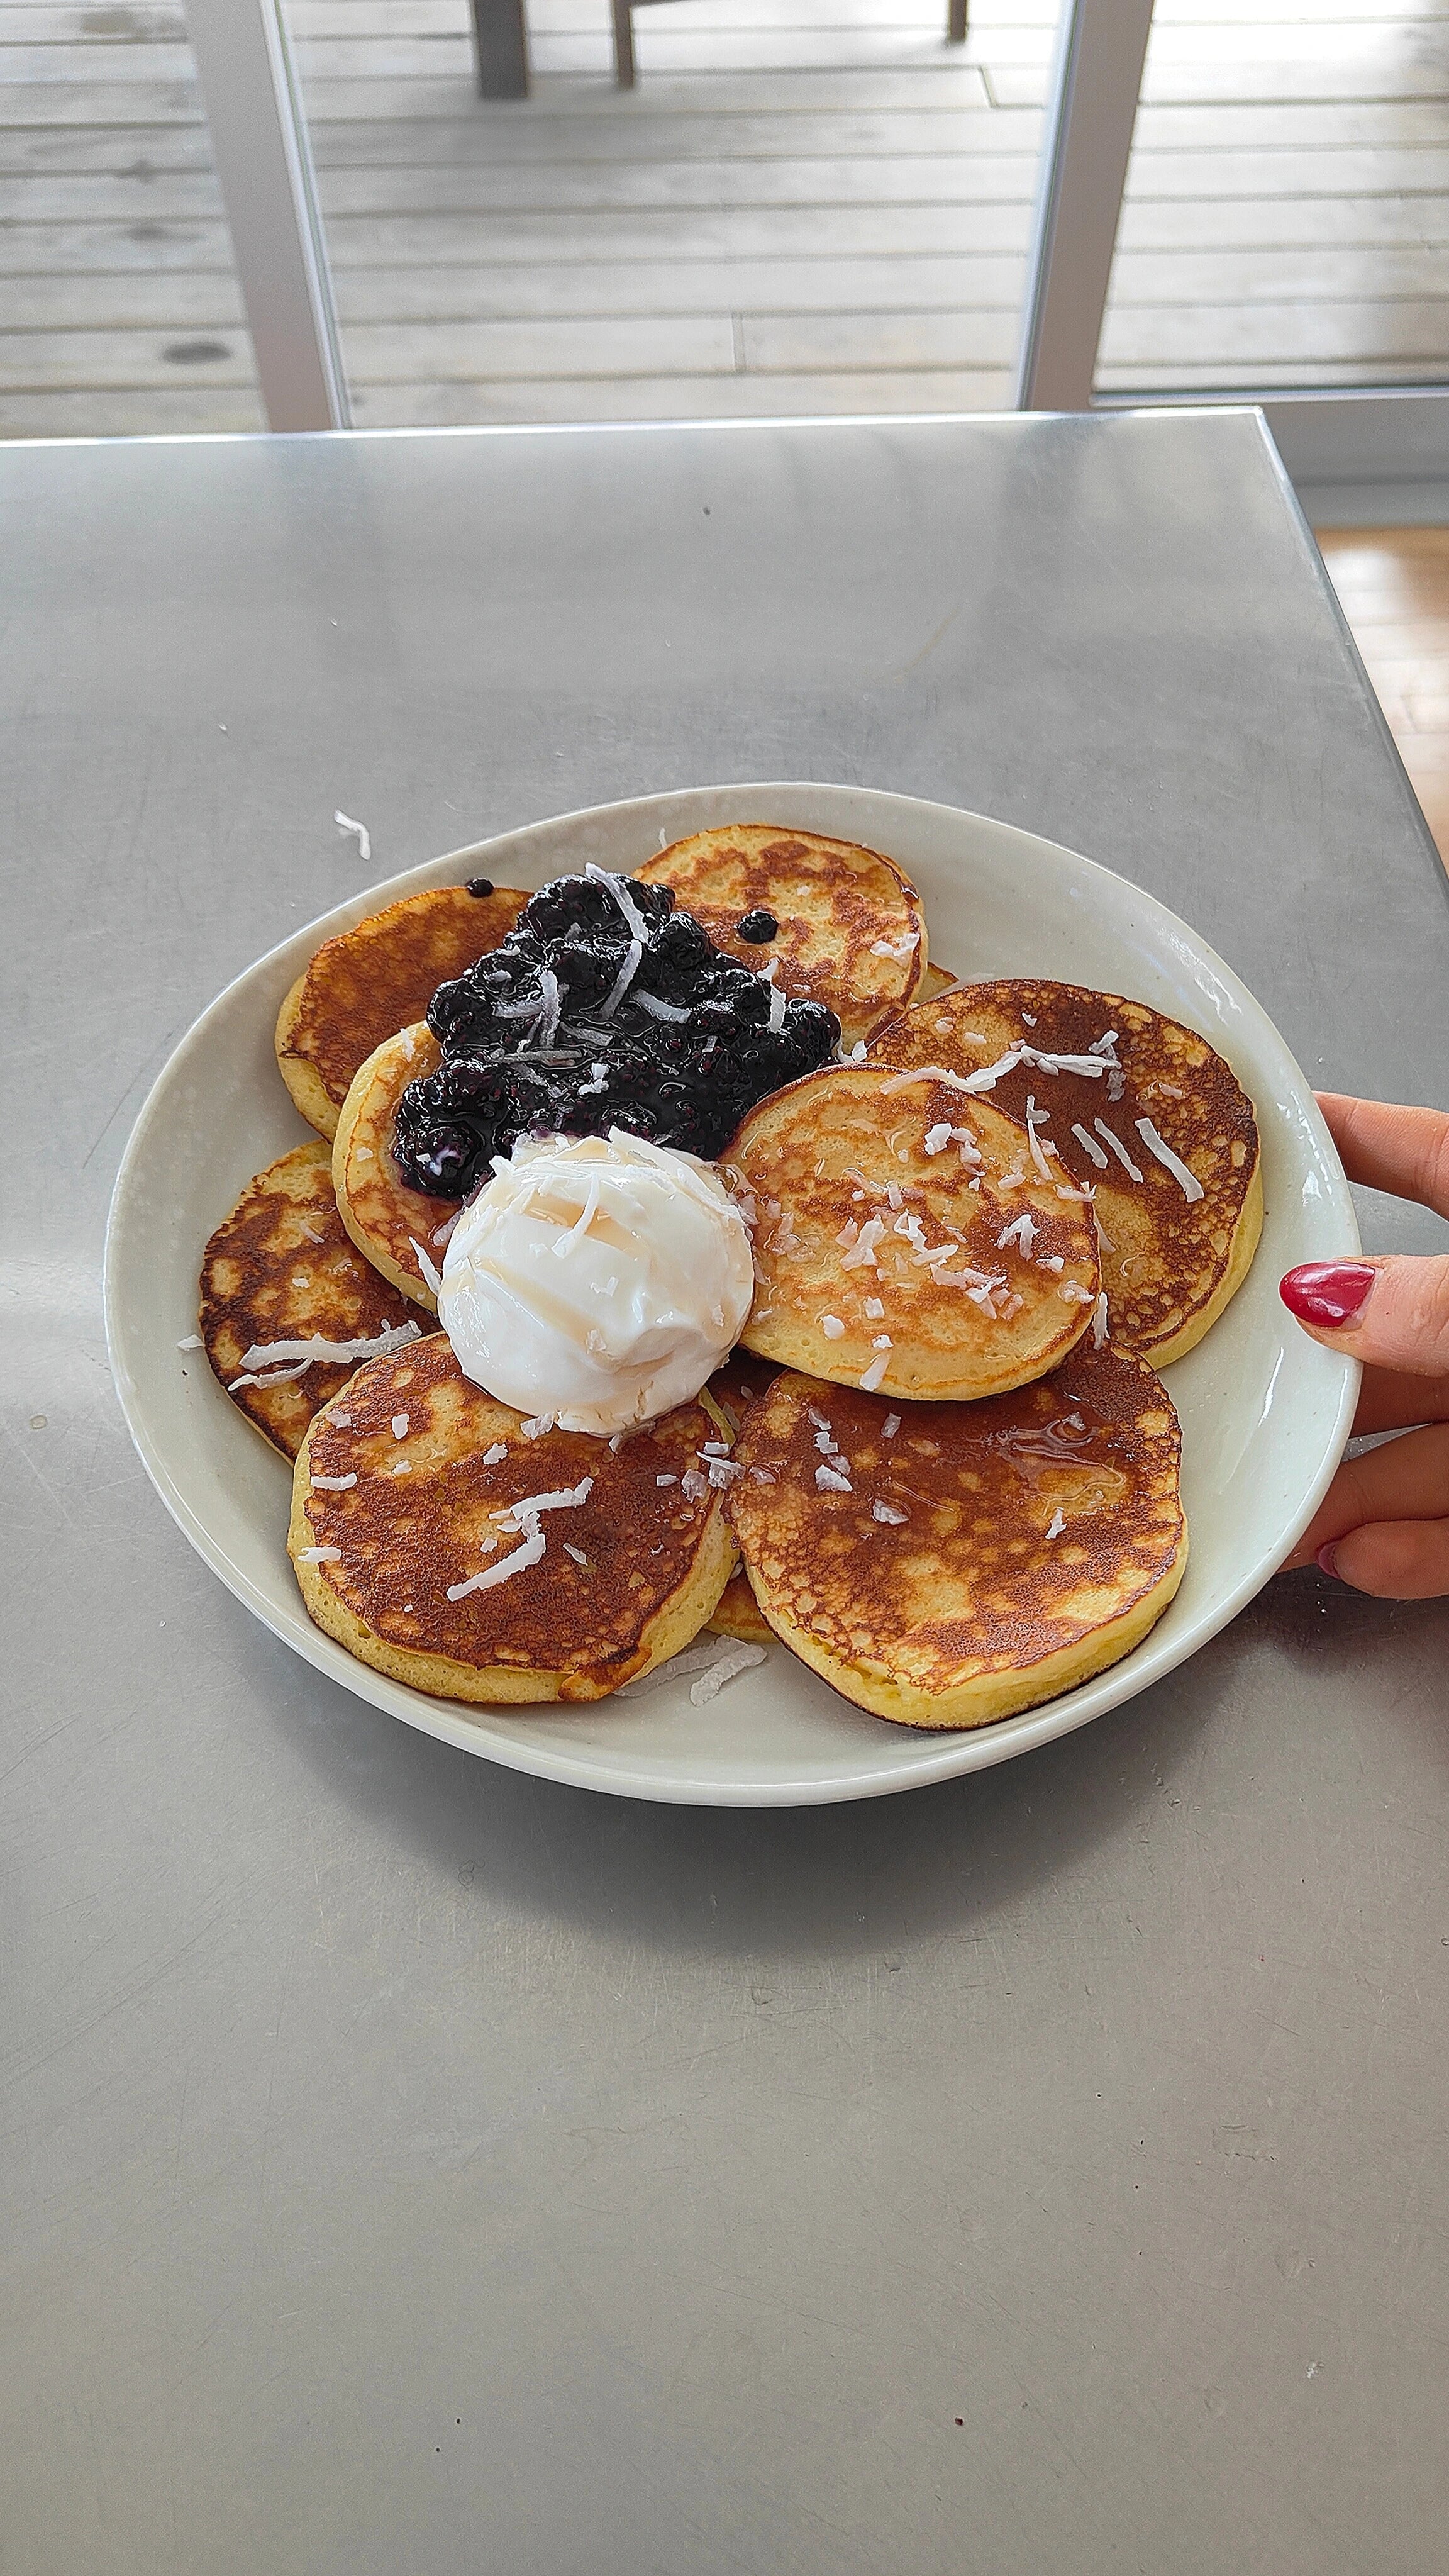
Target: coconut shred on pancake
{"type": "Point", "coordinates": [947, 1564]}
{"type": "Point", "coordinates": [906, 1241]}
{"type": "Point", "coordinates": [1133, 1107]}
{"type": "Point", "coordinates": [458, 1546]}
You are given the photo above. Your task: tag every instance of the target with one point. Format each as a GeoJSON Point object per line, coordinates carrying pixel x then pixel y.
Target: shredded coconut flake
{"type": "Point", "coordinates": [392, 1338]}
{"type": "Point", "coordinates": [830, 1481]}
{"type": "Point", "coordinates": [576, 1553]}
{"type": "Point", "coordinates": [191, 1343]}
{"type": "Point", "coordinates": [693, 1486]}
{"type": "Point", "coordinates": [533, 1547]}
{"type": "Point", "coordinates": [1039, 1151]}
{"type": "Point", "coordinates": [537, 1425]}
{"type": "Point", "coordinates": [633, 956]}
{"type": "Point", "coordinates": [270, 1377]}
{"type": "Point", "coordinates": [939, 1137]}
{"type": "Point", "coordinates": [495, 1456]}
{"type": "Point", "coordinates": [319, 1556]}
{"type": "Point", "coordinates": [1191, 1186]}
{"type": "Point", "coordinates": [399, 1426]}
{"type": "Point", "coordinates": [1089, 1145]}
{"type": "Point", "coordinates": [360, 832]}
{"type": "Point", "coordinates": [660, 1010]}
{"type": "Point", "coordinates": [1021, 1233]}
{"type": "Point", "coordinates": [427, 1266]}
{"type": "Point", "coordinates": [890, 1426]}
{"type": "Point", "coordinates": [871, 1377]}
{"type": "Point", "coordinates": [1056, 1524]}
{"type": "Point", "coordinates": [873, 1309]}
{"type": "Point", "coordinates": [862, 1251]}
{"type": "Point", "coordinates": [1099, 1321]}
{"type": "Point", "coordinates": [564, 1498]}
{"type": "Point", "coordinates": [832, 1327]}
{"type": "Point", "coordinates": [666, 1480]}
{"type": "Point", "coordinates": [1118, 1148]}
{"type": "Point", "coordinates": [618, 888]}
{"type": "Point", "coordinates": [900, 949]}
{"type": "Point", "coordinates": [727, 1667]}
{"type": "Point", "coordinates": [342, 1420]}
{"type": "Point", "coordinates": [887, 1513]}
{"type": "Point", "coordinates": [335, 1484]}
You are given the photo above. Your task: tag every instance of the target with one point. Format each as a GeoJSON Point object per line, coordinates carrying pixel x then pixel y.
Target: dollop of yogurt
{"type": "Point", "coordinates": [598, 1280]}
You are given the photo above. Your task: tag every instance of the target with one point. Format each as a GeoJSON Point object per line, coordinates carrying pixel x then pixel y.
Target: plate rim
{"type": "Point", "coordinates": [940, 1755]}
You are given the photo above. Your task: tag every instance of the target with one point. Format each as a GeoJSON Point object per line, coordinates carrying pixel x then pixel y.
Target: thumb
{"type": "Point", "coordinates": [1390, 1311]}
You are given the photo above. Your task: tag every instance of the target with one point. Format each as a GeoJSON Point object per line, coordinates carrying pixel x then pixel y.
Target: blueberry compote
{"type": "Point", "coordinates": [603, 1007]}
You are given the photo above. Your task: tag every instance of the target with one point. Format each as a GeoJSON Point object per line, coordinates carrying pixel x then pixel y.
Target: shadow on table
{"type": "Point", "coordinates": [745, 1881]}
{"type": "Point", "coordinates": [1326, 1627]}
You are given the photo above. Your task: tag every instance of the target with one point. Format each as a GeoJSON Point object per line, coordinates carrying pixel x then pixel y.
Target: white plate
{"type": "Point", "coordinates": [1265, 1411]}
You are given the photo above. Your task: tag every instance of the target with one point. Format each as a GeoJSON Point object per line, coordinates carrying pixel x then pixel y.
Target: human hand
{"type": "Point", "coordinates": [1383, 1525]}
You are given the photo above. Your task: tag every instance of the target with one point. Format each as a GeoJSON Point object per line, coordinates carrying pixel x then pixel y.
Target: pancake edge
{"type": "Point", "coordinates": [795, 1347]}
{"type": "Point", "coordinates": [309, 1092]}
{"type": "Point", "coordinates": [994, 1695]}
{"type": "Point", "coordinates": [1247, 1234]}
{"type": "Point", "coordinates": [309, 1146]}
{"type": "Point", "coordinates": [353, 1107]}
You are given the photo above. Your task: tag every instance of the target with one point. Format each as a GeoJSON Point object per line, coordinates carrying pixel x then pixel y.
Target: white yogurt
{"type": "Point", "coordinates": [599, 1280]}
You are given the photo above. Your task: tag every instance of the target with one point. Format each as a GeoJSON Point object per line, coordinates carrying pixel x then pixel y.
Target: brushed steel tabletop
{"type": "Point", "coordinates": [409, 2165]}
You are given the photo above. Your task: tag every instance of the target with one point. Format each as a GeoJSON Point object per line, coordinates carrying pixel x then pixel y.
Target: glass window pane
{"type": "Point", "coordinates": [1286, 218]}
{"type": "Point", "coordinates": [803, 206]}
{"type": "Point", "coordinates": [119, 305]}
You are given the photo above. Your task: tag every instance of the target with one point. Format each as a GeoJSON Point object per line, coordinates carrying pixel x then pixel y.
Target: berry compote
{"type": "Point", "coordinates": [603, 1007]}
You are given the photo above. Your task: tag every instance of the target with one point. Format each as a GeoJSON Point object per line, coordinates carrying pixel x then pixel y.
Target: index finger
{"type": "Point", "coordinates": [1401, 1150]}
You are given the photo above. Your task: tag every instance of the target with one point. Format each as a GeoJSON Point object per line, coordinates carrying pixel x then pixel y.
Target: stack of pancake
{"type": "Point", "coordinates": [941, 1467]}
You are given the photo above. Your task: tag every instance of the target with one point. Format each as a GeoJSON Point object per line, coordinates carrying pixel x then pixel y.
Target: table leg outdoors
{"type": "Point", "coordinates": [501, 43]}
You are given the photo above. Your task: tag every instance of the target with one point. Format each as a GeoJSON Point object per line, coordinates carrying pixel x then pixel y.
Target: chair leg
{"type": "Point", "coordinates": [624, 43]}
{"type": "Point", "coordinates": [956, 22]}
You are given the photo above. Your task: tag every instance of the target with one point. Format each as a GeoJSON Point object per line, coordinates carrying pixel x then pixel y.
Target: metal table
{"type": "Point", "coordinates": [410, 2166]}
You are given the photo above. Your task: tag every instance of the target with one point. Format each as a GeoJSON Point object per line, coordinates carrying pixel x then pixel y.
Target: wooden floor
{"type": "Point", "coordinates": [1394, 585]}
{"type": "Point", "coordinates": [806, 205]}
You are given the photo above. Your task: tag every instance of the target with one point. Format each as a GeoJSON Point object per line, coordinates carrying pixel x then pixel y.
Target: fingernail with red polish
{"type": "Point", "coordinates": [1326, 1292]}
{"type": "Point", "coordinates": [1328, 1560]}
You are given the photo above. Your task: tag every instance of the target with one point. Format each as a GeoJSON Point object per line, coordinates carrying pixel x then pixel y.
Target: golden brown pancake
{"type": "Point", "coordinates": [280, 1268]}
{"type": "Point", "coordinates": [851, 930]}
{"type": "Point", "coordinates": [396, 1500]}
{"type": "Point", "coordinates": [985, 1557]}
{"type": "Point", "coordinates": [386, 1217]}
{"type": "Point", "coordinates": [1170, 1263]}
{"type": "Point", "coordinates": [375, 978]}
{"type": "Point", "coordinates": [904, 1236]}
{"type": "Point", "coordinates": [734, 1388]}
{"type": "Point", "coordinates": [938, 979]}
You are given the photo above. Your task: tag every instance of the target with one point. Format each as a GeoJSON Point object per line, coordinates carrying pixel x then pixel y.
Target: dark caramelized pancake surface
{"type": "Point", "coordinates": [628, 1575]}
{"type": "Point", "coordinates": [376, 978]}
{"type": "Point", "coordinates": [282, 1268]}
{"type": "Point", "coordinates": [1170, 1262]}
